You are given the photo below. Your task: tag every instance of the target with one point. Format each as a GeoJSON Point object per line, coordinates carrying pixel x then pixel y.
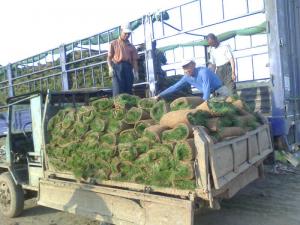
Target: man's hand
{"type": "Point", "coordinates": [233, 76]}
{"type": "Point", "coordinates": [110, 71]}
{"type": "Point", "coordinates": [155, 97]}
{"type": "Point", "coordinates": [136, 76]}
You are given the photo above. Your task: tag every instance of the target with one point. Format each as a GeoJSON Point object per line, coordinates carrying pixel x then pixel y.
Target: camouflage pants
{"type": "Point", "coordinates": [224, 72]}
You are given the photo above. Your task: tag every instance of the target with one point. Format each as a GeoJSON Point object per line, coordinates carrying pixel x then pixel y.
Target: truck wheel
{"type": "Point", "coordinates": [11, 196]}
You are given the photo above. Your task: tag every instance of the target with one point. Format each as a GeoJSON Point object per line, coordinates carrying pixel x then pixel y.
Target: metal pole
{"type": "Point", "coordinates": [149, 56]}
{"type": "Point", "coordinates": [9, 75]}
{"type": "Point", "coordinates": [64, 73]}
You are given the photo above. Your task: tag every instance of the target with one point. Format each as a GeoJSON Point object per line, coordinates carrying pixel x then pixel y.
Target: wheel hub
{"type": "Point", "coordinates": [5, 197]}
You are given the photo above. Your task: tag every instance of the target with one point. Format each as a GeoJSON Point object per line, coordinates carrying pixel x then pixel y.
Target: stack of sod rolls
{"type": "Point", "coordinates": [140, 140]}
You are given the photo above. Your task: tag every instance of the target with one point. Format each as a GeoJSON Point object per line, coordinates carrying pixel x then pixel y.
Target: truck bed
{"type": "Point", "coordinates": [220, 168]}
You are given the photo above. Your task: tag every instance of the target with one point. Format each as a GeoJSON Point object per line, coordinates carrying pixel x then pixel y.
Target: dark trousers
{"type": "Point", "coordinates": [122, 81]}
{"type": "Point", "coordinates": [225, 72]}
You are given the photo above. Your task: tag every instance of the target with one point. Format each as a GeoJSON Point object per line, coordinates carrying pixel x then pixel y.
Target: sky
{"type": "Point", "coordinates": [34, 26]}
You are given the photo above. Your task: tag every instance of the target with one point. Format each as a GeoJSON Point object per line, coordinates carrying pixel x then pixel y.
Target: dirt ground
{"type": "Point", "coordinates": [272, 201]}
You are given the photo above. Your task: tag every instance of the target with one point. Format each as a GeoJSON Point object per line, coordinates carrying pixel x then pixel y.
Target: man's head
{"type": "Point", "coordinates": [125, 32]}
{"type": "Point", "coordinates": [188, 67]}
{"type": "Point", "coordinates": [212, 40]}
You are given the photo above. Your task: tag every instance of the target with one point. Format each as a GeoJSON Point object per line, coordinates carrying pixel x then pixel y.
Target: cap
{"type": "Point", "coordinates": [126, 28]}
{"type": "Point", "coordinates": [186, 62]}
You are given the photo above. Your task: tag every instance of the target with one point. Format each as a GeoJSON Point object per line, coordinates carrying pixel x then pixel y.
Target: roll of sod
{"type": "Point", "coordinates": [154, 132]}
{"type": "Point", "coordinates": [124, 146]}
{"type": "Point", "coordinates": [126, 101]}
{"type": "Point", "coordinates": [128, 155]}
{"type": "Point", "coordinates": [80, 128]}
{"type": "Point", "coordinates": [217, 108]}
{"type": "Point", "coordinates": [198, 118]}
{"type": "Point", "coordinates": [142, 145]}
{"type": "Point", "coordinates": [119, 114]}
{"type": "Point", "coordinates": [163, 146]}
{"type": "Point", "coordinates": [98, 124]}
{"type": "Point", "coordinates": [185, 184]}
{"type": "Point", "coordinates": [184, 171]}
{"type": "Point", "coordinates": [186, 103]}
{"type": "Point", "coordinates": [116, 126]}
{"type": "Point", "coordinates": [127, 136]}
{"type": "Point", "coordinates": [106, 152]}
{"type": "Point", "coordinates": [171, 119]}
{"type": "Point", "coordinates": [248, 121]}
{"type": "Point", "coordinates": [84, 111]}
{"type": "Point", "coordinates": [185, 150]}
{"type": "Point", "coordinates": [140, 126]}
{"type": "Point", "coordinates": [108, 138]}
{"type": "Point", "coordinates": [135, 114]}
{"type": "Point", "coordinates": [155, 154]}
{"type": "Point", "coordinates": [103, 104]}
{"type": "Point", "coordinates": [104, 114]}
{"type": "Point", "coordinates": [228, 132]}
{"type": "Point", "coordinates": [213, 124]}
{"type": "Point", "coordinates": [178, 133]}
{"type": "Point", "coordinates": [146, 103]}
{"type": "Point", "coordinates": [159, 109]}
{"type": "Point", "coordinates": [91, 139]}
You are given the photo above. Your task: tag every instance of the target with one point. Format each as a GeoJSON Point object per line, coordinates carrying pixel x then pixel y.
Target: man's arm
{"type": "Point", "coordinates": [110, 56]}
{"type": "Point", "coordinates": [231, 60]}
{"type": "Point", "coordinates": [232, 63]}
{"type": "Point", "coordinates": [135, 65]}
{"type": "Point", "coordinates": [175, 87]}
{"type": "Point", "coordinates": [205, 83]}
{"type": "Point", "coordinates": [212, 61]}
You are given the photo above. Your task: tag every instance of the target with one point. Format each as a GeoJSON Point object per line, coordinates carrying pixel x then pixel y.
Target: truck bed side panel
{"type": "Point", "coordinates": [115, 205]}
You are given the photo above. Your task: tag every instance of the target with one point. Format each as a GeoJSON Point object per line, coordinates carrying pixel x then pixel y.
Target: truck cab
{"type": "Point", "coordinates": [21, 153]}
{"type": "Point", "coordinates": [21, 158]}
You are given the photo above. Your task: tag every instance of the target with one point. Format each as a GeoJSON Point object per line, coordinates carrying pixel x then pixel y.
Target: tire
{"type": "Point", "coordinates": [11, 196]}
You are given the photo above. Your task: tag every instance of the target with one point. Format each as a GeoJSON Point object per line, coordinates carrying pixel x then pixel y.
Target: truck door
{"type": "Point", "coordinates": [24, 155]}
{"type": "Point", "coordinates": [34, 158]}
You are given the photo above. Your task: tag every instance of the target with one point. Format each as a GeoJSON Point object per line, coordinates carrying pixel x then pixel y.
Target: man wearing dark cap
{"type": "Point", "coordinates": [222, 61]}
{"type": "Point", "coordinates": [122, 60]}
{"type": "Point", "coordinates": [202, 78]}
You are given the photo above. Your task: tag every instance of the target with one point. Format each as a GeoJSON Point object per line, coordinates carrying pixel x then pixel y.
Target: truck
{"type": "Point", "coordinates": [263, 41]}
{"type": "Point", "coordinates": [25, 166]}
{"type": "Point", "coordinates": [267, 78]}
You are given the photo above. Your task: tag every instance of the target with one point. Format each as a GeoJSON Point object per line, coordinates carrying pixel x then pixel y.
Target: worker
{"type": "Point", "coordinates": [159, 59]}
{"type": "Point", "coordinates": [122, 60]}
{"type": "Point", "coordinates": [202, 78]}
{"type": "Point", "coordinates": [222, 61]}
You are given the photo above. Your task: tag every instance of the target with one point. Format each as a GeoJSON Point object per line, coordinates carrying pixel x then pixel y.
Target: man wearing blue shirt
{"type": "Point", "coordinates": [202, 78]}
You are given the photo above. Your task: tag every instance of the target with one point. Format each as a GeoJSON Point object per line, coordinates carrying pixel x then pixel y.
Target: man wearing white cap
{"type": "Point", "coordinates": [122, 60]}
{"type": "Point", "coordinates": [202, 78]}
